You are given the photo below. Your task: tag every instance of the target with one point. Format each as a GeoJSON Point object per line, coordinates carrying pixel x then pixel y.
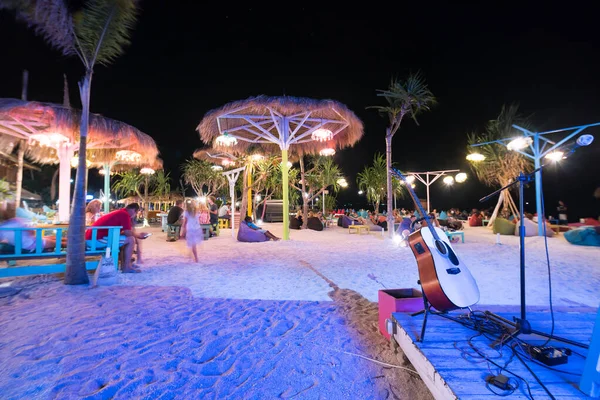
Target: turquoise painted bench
{"type": "Point", "coordinates": [452, 234]}
{"type": "Point", "coordinates": [93, 248]}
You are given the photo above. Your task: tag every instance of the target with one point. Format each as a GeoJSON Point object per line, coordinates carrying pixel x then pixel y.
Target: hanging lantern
{"type": "Point", "coordinates": [128, 156]}
{"type": "Point", "coordinates": [322, 135]}
{"type": "Point", "coordinates": [51, 139]}
{"type": "Point", "coordinates": [226, 139]}
{"type": "Point", "coordinates": [75, 162]}
{"type": "Point", "coordinates": [327, 152]}
{"type": "Point", "coordinates": [460, 177]}
{"type": "Point", "coordinates": [475, 157]}
{"type": "Point", "coordinates": [102, 171]}
{"type": "Point", "coordinates": [147, 171]}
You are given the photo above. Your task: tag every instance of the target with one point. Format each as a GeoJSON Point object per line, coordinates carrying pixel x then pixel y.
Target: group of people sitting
{"type": "Point", "coordinates": [314, 221]}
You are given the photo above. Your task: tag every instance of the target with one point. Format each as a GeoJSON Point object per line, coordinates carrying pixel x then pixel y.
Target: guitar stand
{"type": "Point", "coordinates": [426, 310]}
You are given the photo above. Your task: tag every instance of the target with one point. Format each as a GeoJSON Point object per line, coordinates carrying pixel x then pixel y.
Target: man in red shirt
{"type": "Point", "coordinates": [129, 237]}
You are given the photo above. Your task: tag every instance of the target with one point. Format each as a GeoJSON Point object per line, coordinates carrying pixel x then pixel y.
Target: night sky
{"type": "Point", "coordinates": [186, 60]}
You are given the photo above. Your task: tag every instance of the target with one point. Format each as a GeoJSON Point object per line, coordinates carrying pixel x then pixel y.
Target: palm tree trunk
{"type": "Point", "coordinates": [304, 198]}
{"type": "Point", "coordinates": [75, 273]}
{"type": "Point", "coordinates": [388, 164]}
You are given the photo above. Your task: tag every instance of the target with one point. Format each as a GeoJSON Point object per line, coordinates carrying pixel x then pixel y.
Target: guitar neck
{"type": "Point", "coordinates": [415, 200]}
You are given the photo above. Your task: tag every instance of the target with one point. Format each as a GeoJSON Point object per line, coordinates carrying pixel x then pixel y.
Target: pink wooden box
{"type": "Point", "coordinates": [397, 300]}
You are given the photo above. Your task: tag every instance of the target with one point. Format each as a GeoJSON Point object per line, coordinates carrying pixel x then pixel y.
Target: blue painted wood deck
{"type": "Point", "coordinates": [449, 376]}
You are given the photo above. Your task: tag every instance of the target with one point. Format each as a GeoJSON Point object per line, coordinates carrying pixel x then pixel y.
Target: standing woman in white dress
{"type": "Point", "coordinates": [193, 230]}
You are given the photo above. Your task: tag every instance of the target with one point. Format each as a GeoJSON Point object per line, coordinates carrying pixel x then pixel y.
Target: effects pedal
{"type": "Point", "coordinates": [500, 381]}
{"type": "Point", "coordinates": [550, 356]}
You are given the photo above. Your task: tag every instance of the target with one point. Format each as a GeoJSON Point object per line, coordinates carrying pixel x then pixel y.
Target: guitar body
{"type": "Point", "coordinates": [446, 282]}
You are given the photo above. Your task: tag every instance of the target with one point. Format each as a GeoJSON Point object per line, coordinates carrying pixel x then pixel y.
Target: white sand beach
{"type": "Point", "coordinates": [293, 319]}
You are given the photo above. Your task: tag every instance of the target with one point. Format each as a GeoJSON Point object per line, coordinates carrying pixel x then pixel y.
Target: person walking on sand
{"type": "Point", "coordinates": [193, 230]}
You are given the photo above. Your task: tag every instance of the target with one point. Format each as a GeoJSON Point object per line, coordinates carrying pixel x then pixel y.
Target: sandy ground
{"type": "Point", "coordinates": [293, 319]}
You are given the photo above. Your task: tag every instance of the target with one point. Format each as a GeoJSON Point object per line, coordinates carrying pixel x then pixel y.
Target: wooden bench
{"type": "Point", "coordinates": [93, 248]}
{"type": "Point", "coordinates": [452, 234]}
{"type": "Point", "coordinates": [358, 229]}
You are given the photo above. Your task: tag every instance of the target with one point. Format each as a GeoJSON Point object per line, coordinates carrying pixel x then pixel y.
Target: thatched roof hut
{"type": "Point", "coordinates": [294, 124]}
{"type": "Point", "coordinates": [44, 124]}
{"type": "Point", "coordinates": [304, 116]}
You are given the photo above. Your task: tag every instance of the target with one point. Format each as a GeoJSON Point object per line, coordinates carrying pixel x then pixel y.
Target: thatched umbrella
{"type": "Point", "coordinates": [52, 132]}
{"type": "Point", "coordinates": [282, 122]}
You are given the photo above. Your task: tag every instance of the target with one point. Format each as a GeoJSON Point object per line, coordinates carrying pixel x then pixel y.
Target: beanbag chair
{"type": "Point", "coordinates": [503, 227]}
{"type": "Point", "coordinates": [314, 223]}
{"type": "Point", "coordinates": [585, 236]}
{"type": "Point", "coordinates": [347, 221]}
{"type": "Point", "coordinates": [246, 234]}
{"type": "Point", "coordinates": [295, 223]}
{"type": "Point", "coordinates": [476, 220]}
{"type": "Point", "coordinates": [443, 215]}
{"type": "Point", "coordinates": [530, 228]}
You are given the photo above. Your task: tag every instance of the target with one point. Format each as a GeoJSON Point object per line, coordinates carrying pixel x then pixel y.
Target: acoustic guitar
{"type": "Point", "coordinates": [446, 281]}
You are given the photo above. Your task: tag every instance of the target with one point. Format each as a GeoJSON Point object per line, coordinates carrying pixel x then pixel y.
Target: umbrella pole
{"type": "Point", "coordinates": [286, 199]}
{"type": "Point", "coordinates": [249, 213]}
{"type": "Point", "coordinates": [106, 188]}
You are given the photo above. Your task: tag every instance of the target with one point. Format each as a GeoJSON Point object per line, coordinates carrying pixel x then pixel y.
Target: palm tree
{"type": "Point", "coordinates": [162, 184]}
{"type": "Point", "coordinates": [372, 181]}
{"type": "Point", "coordinates": [200, 174]}
{"type": "Point", "coordinates": [97, 34]}
{"type": "Point", "coordinates": [129, 183]}
{"type": "Point", "coordinates": [405, 98]}
{"type": "Point", "coordinates": [501, 165]}
{"type": "Point", "coordinates": [322, 174]}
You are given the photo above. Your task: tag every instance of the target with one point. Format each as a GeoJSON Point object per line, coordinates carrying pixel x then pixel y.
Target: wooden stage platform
{"type": "Point", "coordinates": [452, 373]}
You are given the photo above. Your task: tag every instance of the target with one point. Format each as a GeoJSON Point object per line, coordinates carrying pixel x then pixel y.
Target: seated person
{"type": "Point", "coordinates": [28, 237]}
{"type": "Point", "coordinates": [175, 216]}
{"type": "Point", "coordinates": [92, 211]}
{"type": "Point", "coordinates": [224, 212]}
{"type": "Point", "coordinates": [296, 221]}
{"type": "Point", "coordinates": [382, 222]}
{"type": "Point", "coordinates": [251, 225]}
{"type": "Point", "coordinates": [129, 237]}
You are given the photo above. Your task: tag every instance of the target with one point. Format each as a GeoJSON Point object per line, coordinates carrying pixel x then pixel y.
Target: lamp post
{"type": "Point", "coordinates": [429, 177]}
{"type": "Point", "coordinates": [541, 146]}
{"type": "Point", "coordinates": [232, 177]}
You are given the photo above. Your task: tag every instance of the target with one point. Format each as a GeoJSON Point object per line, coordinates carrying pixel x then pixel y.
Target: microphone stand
{"type": "Point", "coordinates": [522, 325]}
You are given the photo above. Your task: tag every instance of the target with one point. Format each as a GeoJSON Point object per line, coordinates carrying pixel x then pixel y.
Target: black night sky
{"type": "Point", "coordinates": [188, 58]}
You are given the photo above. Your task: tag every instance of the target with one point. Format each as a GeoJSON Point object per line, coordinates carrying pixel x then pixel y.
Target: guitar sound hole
{"type": "Point", "coordinates": [440, 246]}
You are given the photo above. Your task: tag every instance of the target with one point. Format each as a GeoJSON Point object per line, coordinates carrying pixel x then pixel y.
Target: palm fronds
{"type": "Point", "coordinates": [500, 165]}
{"type": "Point", "coordinates": [372, 181]}
{"type": "Point", "coordinates": [50, 19]}
{"type": "Point", "coordinates": [103, 29]}
{"type": "Point", "coordinates": [409, 97]}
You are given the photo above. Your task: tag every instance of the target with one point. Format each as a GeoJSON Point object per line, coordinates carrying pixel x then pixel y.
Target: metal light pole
{"type": "Point", "coordinates": [533, 141]}
{"type": "Point", "coordinates": [232, 177]}
{"type": "Point", "coordinates": [427, 181]}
